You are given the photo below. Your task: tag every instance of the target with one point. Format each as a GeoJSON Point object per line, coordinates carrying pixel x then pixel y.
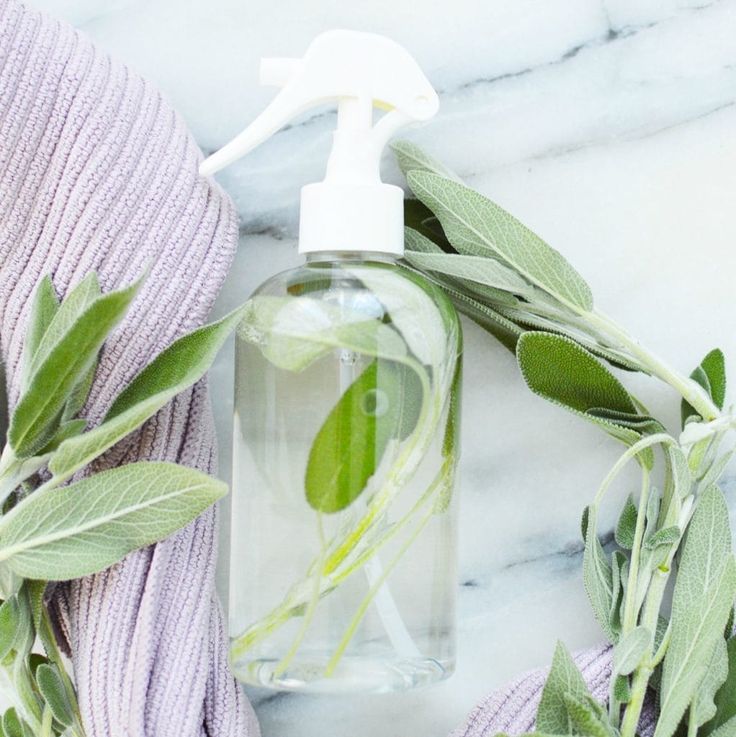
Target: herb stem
{"type": "Point", "coordinates": [690, 390]}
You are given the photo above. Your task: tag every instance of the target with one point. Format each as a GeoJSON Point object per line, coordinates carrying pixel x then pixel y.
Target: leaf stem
{"type": "Point", "coordinates": [690, 390]}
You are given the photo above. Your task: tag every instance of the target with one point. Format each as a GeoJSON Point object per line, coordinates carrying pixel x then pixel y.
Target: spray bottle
{"type": "Point", "coordinates": [343, 552]}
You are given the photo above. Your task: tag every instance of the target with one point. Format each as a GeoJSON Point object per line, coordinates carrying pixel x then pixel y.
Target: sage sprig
{"type": "Point", "coordinates": [53, 531]}
{"type": "Point", "coordinates": [676, 528]}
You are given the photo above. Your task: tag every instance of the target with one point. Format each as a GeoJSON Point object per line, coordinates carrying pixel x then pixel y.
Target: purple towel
{"type": "Point", "coordinates": [98, 173]}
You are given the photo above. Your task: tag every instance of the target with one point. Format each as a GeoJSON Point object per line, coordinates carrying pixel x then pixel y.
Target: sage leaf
{"type": "Point", "coordinates": [728, 729]}
{"type": "Point", "coordinates": [626, 525]}
{"type": "Point", "coordinates": [597, 575]}
{"type": "Point", "coordinates": [622, 690]}
{"type": "Point", "coordinates": [381, 404]}
{"type": "Point", "coordinates": [70, 310]}
{"type": "Point", "coordinates": [703, 597]}
{"type": "Point", "coordinates": [52, 689]}
{"type": "Point", "coordinates": [665, 537]}
{"type": "Point", "coordinates": [485, 271]}
{"type": "Point", "coordinates": [292, 332]}
{"type": "Point", "coordinates": [629, 652]}
{"type": "Point", "coordinates": [9, 624]}
{"type": "Point", "coordinates": [176, 368]}
{"type": "Point", "coordinates": [403, 299]}
{"type": "Point", "coordinates": [476, 226]}
{"type": "Point", "coordinates": [619, 572]}
{"type": "Point", "coordinates": [411, 157]}
{"type": "Point", "coordinates": [43, 308]}
{"type": "Point", "coordinates": [711, 375]}
{"type": "Point", "coordinates": [715, 675]}
{"type": "Point", "coordinates": [564, 373]}
{"type": "Point", "coordinates": [14, 726]}
{"type": "Point", "coordinates": [418, 217]}
{"type": "Point", "coordinates": [66, 533]}
{"type": "Point", "coordinates": [585, 718]}
{"type": "Point", "coordinates": [725, 698]}
{"type": "Point", "coordinates": [564, 680]}
{"type": "Point", "coordinates": [36, 416]}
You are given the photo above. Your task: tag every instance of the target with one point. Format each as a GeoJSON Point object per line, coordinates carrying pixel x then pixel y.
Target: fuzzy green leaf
{"type": "Point", "coordinates": [564, 680]}
{"type": "Point", "coordinates": [587, 717]}
{"type": "Point", "coordinates": [703, 597]}
{"type": "Point", "coordinates": [9, 623]}
{"type": "Point", "coordinates": [725, 698]}
{"type": "Point", "coordinates": [14, 726]}
{"type": "Point", "coordinates": [561, 371]}
{"type": "Point", "coordinates": [711, 375]}
{"type": "Point", "coordinates": [622, 690]}
{"type": "Point", "coordinates": [715, 675]}
{"type": "Point", "coordinates": [598, 575]}
{"type": "Point", "coordinates": [728, 729]}
{"type": "Point", "coordinates": [626, 526]}
{"type": "Point", "coordinates": [292, 332]}
{"type": "Point", "coordinates": [629, 652]}
{"type": "Point", "coordinates": [44, 307]}
{"type": "Point", "coordinates": [477, 269]}
{"type": "Point", "coordinates": [87, 526]}
{"type": "Point", "coordinates": [36, 417]}
{"type": "Point", "coordinates": [476, 226]}
{"type": "Point", "coordinates": [52, 689]}
{"type": "Point", "coordinates": [381, 404]}
{"type": "Point", "coordinates": [412, 158]}
{"type": "Point", "coordinates": [176, 368]}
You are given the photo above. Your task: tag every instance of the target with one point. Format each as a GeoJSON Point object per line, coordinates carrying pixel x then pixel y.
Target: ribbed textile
{"type": "Point", "coordinates": [98, 173]}
{"type": "Point", "coordinates": [513, 709]}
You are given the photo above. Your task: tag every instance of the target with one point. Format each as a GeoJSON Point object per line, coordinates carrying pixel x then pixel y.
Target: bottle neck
{"type": "Point", "coordinates": [350, 256]}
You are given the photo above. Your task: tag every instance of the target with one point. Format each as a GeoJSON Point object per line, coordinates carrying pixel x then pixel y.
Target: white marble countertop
{"type": "Point", "coordinates": [605, 125]}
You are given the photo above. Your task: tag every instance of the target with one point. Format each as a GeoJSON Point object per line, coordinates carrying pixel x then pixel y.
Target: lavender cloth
{"type": "Point", "coordinates": [98, 173]}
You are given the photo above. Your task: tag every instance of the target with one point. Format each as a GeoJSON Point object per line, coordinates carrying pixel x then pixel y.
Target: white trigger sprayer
{"type": "Point", "coordinates": [359, 71]}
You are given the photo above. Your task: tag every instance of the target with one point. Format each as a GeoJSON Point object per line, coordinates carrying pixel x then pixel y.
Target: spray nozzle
{"type": "Point", "coordinates": [359, 71]}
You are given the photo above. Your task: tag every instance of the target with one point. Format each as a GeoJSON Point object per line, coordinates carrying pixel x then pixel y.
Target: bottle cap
{"type": "Point", "coordinates": [351, 209]}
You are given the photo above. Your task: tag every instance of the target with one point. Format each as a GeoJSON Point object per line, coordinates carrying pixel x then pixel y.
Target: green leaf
{"type": "Point", "coordinates": [715, 675]}
{"type": "Point", "coordinates": [412, 158]}
{"type": "Point", "coordinates": [36, 417]}
{"type": "Point", "coordinates": [703, 597]}
{"type": "Point", "coordinates": [476, 226]}
{"type": "Point", "coordinates": [71, 309]}
{"type": "Point", "coordinates": [725, 698]}
{"type": "Point", "coordinates": [14, 726]}
{"type": "Point", "coordinates": [418, 217]}
{"type": "Point", "coordinates": [561, 371]}
{"type": "Point", "coordinates": [44, 307]}
{"type": "Point", "coordinates": [478, 269]}
{"type": "Point", "coordinates": [711, 375]}
{"type": "Point", "coordinates": [728, 729]}
{"type": "Point", "coordinates": [626, 526]}
{"type": "Point", "coordinates": [665, 537]}
{"type": "Point", "coordinates": [598, 575]}
{"type": "Point", "coordinates": [176, 368]}
{"type": "Point", "coordinates": [10, 619]}
{"type": "Point", "coordinates": [586, 717]}
{"type": "Point", "coordinates": [381, 404]}
{"type": "Point", "coordinates": [564, 680]}
{"type": "Point", "coordinates": [622, 690]}
{"type": "Point", "coordinates": [52, 689]}
{"type": "Point", "coordinates": [66, 533]}
{"type": "Point", "coordinates": [292, 332]}
{"type": "Point", "coordinates": [629, 652]}
{"type": "Point", "coordinates": [619, 573]}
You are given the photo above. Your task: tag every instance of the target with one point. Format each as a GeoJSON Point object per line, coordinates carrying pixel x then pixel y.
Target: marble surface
{"type": "Point", "coordinates": [607, 126]}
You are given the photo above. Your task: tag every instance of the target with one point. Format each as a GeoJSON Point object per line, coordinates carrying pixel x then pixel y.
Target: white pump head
{"type": "Point", "coordinates": [351, 210]}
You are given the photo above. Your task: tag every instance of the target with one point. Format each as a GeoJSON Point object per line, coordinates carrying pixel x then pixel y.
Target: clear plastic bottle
{"type": "Point", "coordinates": [343, 553]}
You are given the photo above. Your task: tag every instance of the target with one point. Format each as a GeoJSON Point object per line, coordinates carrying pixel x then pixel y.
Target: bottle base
{"type": "Point", "coordinates": [352, 675]}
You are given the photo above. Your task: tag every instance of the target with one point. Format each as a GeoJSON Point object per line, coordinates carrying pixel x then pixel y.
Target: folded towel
{"type": "Point", "coordinates": [98, 173]}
